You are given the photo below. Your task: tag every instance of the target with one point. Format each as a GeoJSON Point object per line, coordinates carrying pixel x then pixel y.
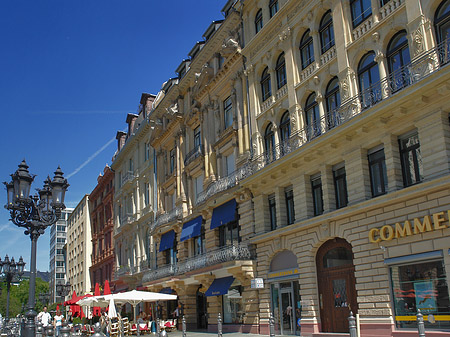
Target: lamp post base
{"type": "Point", "coordinates": [30, 324]}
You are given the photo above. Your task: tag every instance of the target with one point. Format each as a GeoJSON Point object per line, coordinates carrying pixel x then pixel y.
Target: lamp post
{"type": "Point", "coordinates": [35, 214]}
{"type": "Point", "coordinates": [62, 290]}
{"type": "Point", "coordinates": [10, 269]}
{"type": "Point", "coordinates": [44, 298]}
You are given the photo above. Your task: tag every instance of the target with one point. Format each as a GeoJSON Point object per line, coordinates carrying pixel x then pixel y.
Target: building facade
{"type": "Point", "coordinates": [300, 170]}
{"type": "Point", "coordinates": [58, 260]}
{"type": "Point", "coordinates": [79, 248]}
{"type": "Point", "coordinates": [102, 229]}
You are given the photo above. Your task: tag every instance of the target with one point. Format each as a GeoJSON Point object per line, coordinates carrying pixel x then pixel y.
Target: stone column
{"type": "Point", "coordinates": [393, 163]}
{"type": "Point", "coordinates": [302, 197]}
{"type": "Point", "coordinates": [357, 176]}
{"type": "Point", "coordinates": [329, 196]}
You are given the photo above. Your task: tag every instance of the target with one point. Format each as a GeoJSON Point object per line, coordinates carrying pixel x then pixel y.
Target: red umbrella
{"type": "Point", "coordinates": [106, 289]}
{"type": "Point", "coordinates": [97, 311]}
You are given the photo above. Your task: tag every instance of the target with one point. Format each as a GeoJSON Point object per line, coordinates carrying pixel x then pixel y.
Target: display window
{"type": "Point", "coordinates": [421, 285]}
{"type": "Point", "coordinates": [233, 312]}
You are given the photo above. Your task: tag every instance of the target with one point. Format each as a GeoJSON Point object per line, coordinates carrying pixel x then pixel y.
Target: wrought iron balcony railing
{"type": "Point", "coordinates": [122, 270]}
{"type": "Point", "coordinates": [420, 68]}
{"type": "Point", "coordinates": [166, 218]}
{"type": "Point", "coordinates": [129, 176]}
{"type": "Point", "coordinates": [194, 154]}
{"type": "Point", "coordinates": [238, 252]}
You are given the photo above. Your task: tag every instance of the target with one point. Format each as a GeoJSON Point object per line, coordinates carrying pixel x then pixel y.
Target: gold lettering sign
{"type": "Point", "coordinates": [428, 223]}
{"type": "Point", "coordinates": [283, 273]}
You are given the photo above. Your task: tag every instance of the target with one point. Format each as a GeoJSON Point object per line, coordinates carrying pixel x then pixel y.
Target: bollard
{"type": "Point", "coordinates": [97, 331]}
{"type": "Point", "coordinates": [39, 330]}
{"type": "Point", "coordinates": [271, 325]}
{"type": "Point", "coordinates": [420, 324]}
{"type": "Point", "coordinates": [65, 330]}
{"type": "Point", "coordinates": [219, 326]}
{"type": "Point", "coordinates": [138, 329]}
{"type": "Point", "coordinates": [158, 328]}
{"type": "Point", "coordinates": [22, 326]}
{"type": "Point", "coordinates": [49, 330]}
{"type": "Point", "coordinates": [183, 327]}
{"type": "Point", "coordinates": [352, 325]}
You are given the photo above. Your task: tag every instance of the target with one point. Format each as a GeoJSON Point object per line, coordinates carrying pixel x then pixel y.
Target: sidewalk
{"type": "Point", "coordinates": [205, 334]}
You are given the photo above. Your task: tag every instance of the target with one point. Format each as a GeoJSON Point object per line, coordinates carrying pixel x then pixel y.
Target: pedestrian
{"type": "Point", "coordinates": [57, 322]}
{"type": "Point", "coordinates": [44, 317]}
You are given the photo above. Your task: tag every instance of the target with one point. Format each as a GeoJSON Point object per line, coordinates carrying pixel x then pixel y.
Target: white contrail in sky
{"type": "Point", "coordinates": [91, 157]}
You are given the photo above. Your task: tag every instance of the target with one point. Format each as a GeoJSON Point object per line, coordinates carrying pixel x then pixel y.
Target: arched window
{"type": "Point", "coordinates": [398, 56]}
{"type": "Point", "coordinates": [361, 10]}
{"type": "Point", "coordinates": [333, 101]}
{"type": "Point", "coordinates": [369, 80]}
{"type": "Point", "coordinates": [306, 49]}
{"type": "Point", "coordinates": [285, 127]}
{"type": "Point", "coordinates": [312, 117]}
{"type": "Point", "coordinates": [269, 143]}
{"type": "Point", "coordinates": [326, 32]}
{"type": "Point", "coordinates": [273, 7]}
{"type": "Point", "coordinates": [442, 22]}
{"type": "Point", "coordinates": [258, 21]}
{"type": "Point", "coordinates": [281, 71]}
{"type": "Point", "coordinates": [266, 90]}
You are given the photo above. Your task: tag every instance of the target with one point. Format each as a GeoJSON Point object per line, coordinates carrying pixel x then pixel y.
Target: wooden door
{"type": "Point", "coordinates": [336, 281]}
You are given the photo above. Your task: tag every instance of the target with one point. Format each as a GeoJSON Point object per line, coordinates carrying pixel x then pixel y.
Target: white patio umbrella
{"type": "Point", "coordinates": [94, 301]}
{"type": "Point", "coordinates": [134, 297]}
{"type": "Point", "coordinates": [112, 309]}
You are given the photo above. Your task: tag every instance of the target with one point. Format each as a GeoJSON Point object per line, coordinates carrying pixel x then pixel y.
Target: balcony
{"type": "Point", "coordinates": [238, 252]}
{"type": "Point", "coordinates": [165, 218]}
{"type": "Point", "coordinates": [389, 8]}
{"type": "Point", "coordinates": [224, 183]}
{"type": "Point", "coordinates": [122, 270]}
{"type": "Point", "coordinates": [421, 67]}
{"type": "Point", "coordinates": [129, 176]}
{"type": "Point", "coordinates": [194, 154]}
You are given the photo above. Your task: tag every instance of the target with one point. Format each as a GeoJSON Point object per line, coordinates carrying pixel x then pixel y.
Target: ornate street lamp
{"type": "Point", "coordinates": [10, 269]}
{"type": "Point", "coordinates": [35, 214]}
{"type": "Point", "coordinates": [62, 290]}
{"type": "Point", "coordinates": [44, 298]}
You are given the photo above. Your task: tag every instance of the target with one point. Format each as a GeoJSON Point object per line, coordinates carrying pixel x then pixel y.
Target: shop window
{"type": "Point", "coordinates": [228, 112]}
{"type": "Point", "coordinates": [281, 71]}
{"type": "Point", "coordinates": [258, 21]}
{"type": "Point", "coordinates": [229, 234]}
{"type": "Point", "coordinates": [273, 7]}
{"type": "Point", "coordinates": [233, 309]}
{"type": "Point", "coordinates": [326, 32]}
{"type": "Point", "coordinates": [340, 186]}
{"type": "Point", "coordinates": [290, 212]}
{"type": "Point", "coordinates": [272, 212]}
{"type": "Point", "coordinates": [421, 285]}
{"type": "Point", "coordinates": [266, 90]}
{"type": "Point", "coordinates": [316, 186]}
{"type": "Point", "coordinates": [411, 159]}
{"type": "Point", "coordinates": [398, 58]}
{"type": "Point", "coordinates": [442, 23]}
{"type": "Point", "coordinates": [361, 10]}
{"type": "Point", "coordinates": [377, 169]}
{"type": "Point", "coordinates": [306, 49]}
{"type": "Point", "coordinates": [369, 81]}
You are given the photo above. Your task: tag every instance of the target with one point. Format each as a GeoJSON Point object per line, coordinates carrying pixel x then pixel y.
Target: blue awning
{"type": "Point", "coordinates": [223, 214]}
{"type": "Point", "coordinates": [191, 229]}
{"type": "Point", "coordinates": [166, 290]}
{"type": "Point", "coordinates": [220, 286]}
{"type": "Point", "coordinates": [167, 240]}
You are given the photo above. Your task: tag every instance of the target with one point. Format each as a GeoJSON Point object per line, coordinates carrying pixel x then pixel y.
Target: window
{"type": "Point", "coordinates": [272, 212]}
{"type": "Point", "coordinates": [316, 186]}
{"type": "Point", "coordinates": [273, 7]}
{"type": "Point", "coordinates": [230, 164]}
{"type": "Point", "coordinates": [411, 159]}
{"type": "Point", "coordinates": [269, 143]}
{"type": "Point", "coordinates": [233, 308]}
{"type": "Point", "coordinates": [170, 255]}
{"type": "Point", "coordinates": [220, 60]}
{"type": "Point", "coordinates": [60, 263]}
{"type": "Point", "coordinates": [266, 90]}
{"type": "Point", "coordinates": [398, 57]}
{"type": "Point", "coordinates": [361, 10]}
{"type": "Point", "coordinates": [290, 212]}
{"type": "Point", "coordinates": [228, 112]}
{"type": "Point", "coordinates": [281, 71]}
{"type": "Point", "coordinates": [229, 234]}
{"type": "Point", "coordinates": [198, 243]}
{"type": "Point", "coordinates": [383, 2]}
{"type": "Point", "coordinates": [198, 186]}
{"type": "Point", "coordinates": [285, 127]}
{"type": "Point", "coordinates": [306, 49]}
{"type": "Point", "coordinates": [258, 21]}
{"type": "Point", "coordinates": [421, 285]}
{"type": "Point", "coordinates": [172, 160]}
{"type": "Point", "coordinates": [377, 169]}
{"type": "Point", "coordinates": [326, 32]}
{"type": "Point", "coordinates": [130, 166]}
{"type": "Point", "coordinates": [442, 23]}
{"type": "Point", "coordinates": [147, 151]}
{"type": "Point", "coordinates": [312, 117]}
{"type": "Point", "coordinates": [197, 137]}
{"type": "Point", "coordinates": [369, 80]}
{"type": "Point", "coordinates": [333, 102]}
{"type": "Point", "coordinates": [146, 194]}
{"type": "Point", "coordinates": [340, 186]}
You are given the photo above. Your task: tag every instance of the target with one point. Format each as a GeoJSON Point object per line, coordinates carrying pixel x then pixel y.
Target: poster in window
{"type": "Point", "coordinates": [425, 296]}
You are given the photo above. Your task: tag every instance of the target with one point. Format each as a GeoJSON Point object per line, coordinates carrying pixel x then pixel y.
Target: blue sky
{"type": "Point", "coordinates": [70, 71]}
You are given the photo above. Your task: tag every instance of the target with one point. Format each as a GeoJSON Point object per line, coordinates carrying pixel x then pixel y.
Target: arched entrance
{"type": "Point", "coordinates": [202, 310]}
{"type": "Point", "coordinates": [336, 281]}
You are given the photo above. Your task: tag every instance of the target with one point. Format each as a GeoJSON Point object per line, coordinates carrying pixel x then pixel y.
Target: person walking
{"type": "Point", "coordinates": [57, 323]}
{"type": "Point", "coordinates": [44, 317]}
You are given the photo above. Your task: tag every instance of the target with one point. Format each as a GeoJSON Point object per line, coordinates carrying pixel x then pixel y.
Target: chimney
{"type": "Point", "coordinates": [131, 119]}
{"type": "Point", "coordinates": [120, 136]}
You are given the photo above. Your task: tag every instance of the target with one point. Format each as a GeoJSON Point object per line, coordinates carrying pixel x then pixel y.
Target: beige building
{"type": "Point", "coordinates": [301, 170]}
{"type": "Point", "coordinates": [79, 248]}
